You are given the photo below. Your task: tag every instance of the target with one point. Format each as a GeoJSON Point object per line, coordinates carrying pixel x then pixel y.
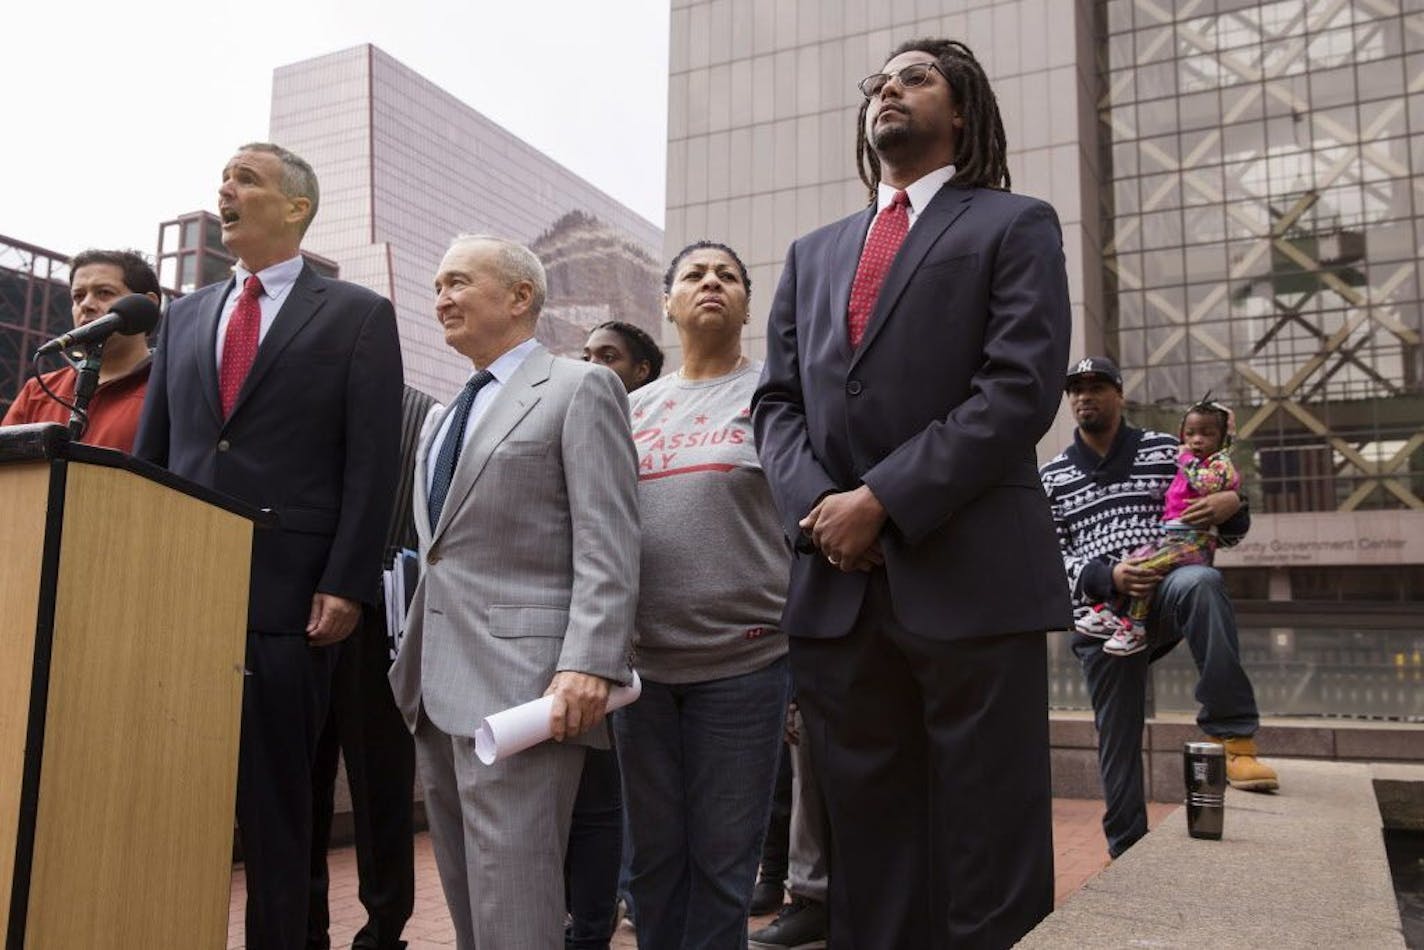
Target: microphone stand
{"type": "Point", "coordinates": [84, 386]}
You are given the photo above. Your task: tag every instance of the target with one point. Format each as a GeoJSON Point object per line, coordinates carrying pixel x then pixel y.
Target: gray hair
{"type": "Point", "coordinates": [514, 262]}
{"type": "Point", "coordinates": [298, 179]}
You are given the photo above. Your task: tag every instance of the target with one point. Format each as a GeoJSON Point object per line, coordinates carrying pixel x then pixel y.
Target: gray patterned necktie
{"type": "Point", "coordinates": [449, 455]}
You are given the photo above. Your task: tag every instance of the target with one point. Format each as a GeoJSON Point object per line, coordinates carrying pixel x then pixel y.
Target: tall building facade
{"type": "Point", "coordinates": [404, 166]}
{"type": "Point", "coordinates": [1240, 215]}
{"type": "Point", "coordinates": [762, 105]}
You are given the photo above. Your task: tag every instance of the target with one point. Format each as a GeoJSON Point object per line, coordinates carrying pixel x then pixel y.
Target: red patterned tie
{"type": "Point", "coordinates": [240, 343]}
{"type": "Point", "coordinates": [886, 235]}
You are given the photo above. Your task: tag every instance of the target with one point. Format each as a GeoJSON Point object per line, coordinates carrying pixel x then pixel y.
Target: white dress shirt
{"type": "Point", "coordinates": [501, 369]}
{"type": "Point", "coordinates": [277, 282]}
{"type": "Point", "coordinates": [919, 192]}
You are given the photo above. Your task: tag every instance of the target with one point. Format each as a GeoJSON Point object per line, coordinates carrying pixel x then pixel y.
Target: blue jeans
{"type": "Point", "coordinates": [699, 761]}
{"type": "Point", "coordinates": [1190, 603]}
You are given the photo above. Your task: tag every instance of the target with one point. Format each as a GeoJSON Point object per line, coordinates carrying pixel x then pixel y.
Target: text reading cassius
{"type": "Point", "coordinates": [653, 440]}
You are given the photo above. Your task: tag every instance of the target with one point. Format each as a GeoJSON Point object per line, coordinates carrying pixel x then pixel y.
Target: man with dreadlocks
{"type": "Point", "coordinates": [1109, 490]}
{"type": "Point", "coordinates": [913, 358]}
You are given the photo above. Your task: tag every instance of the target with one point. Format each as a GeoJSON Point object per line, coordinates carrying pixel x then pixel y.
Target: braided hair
{"type": "Point", "coordinates": [640, 345]}
{"type": "Point", "coordinates": [1206, 406]}
{"type": "Point", "coordinates": [671, 271]}
{"type": "Point", "coordinates": [980, 149]}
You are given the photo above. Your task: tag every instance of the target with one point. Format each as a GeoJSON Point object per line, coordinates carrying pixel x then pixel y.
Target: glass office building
{"type": "Point", "coordinates": [1263, 242]}
{"type": "Point", "coordinates": [404, 166]}
{"type": "Point", "coordinates": [1241, 216]}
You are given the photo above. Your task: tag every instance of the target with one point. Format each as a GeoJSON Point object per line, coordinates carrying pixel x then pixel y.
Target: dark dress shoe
{"type": "Point", "coordinates": [767, 896]}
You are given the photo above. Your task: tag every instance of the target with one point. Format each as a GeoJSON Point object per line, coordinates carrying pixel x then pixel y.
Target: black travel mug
{"type": "Point", "coordinates": [1204, 766]}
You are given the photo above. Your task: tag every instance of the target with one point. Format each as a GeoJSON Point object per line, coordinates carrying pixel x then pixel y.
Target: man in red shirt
{"type": "Point", "coordinates": [96, 280]}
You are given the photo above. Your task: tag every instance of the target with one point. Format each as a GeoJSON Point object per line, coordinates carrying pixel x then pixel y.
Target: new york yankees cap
{"type": "Point", "coordinates": [1095, 366]}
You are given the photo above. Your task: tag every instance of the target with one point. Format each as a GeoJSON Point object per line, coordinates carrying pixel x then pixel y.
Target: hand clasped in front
{"type": "Point", "coordinates": [845, 527]}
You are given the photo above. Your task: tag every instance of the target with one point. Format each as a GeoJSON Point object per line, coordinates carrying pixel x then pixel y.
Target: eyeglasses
{"type": "Point", "coordinates": [912, 75]}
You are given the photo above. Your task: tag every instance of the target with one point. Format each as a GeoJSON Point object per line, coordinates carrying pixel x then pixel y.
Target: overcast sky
{"type": "Point", "coordinates": [119, 115]}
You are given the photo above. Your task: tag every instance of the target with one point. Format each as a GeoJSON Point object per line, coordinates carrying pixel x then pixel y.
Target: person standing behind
{"type": "Point", "coordinates": [366, 729]}
{"type": "Point", "coordinates": [1108, 490]}
{"type": "Point", "coordinates": [627, 350]}
{"type": "Point", "coordinates": [526, 509]}
{"type": "Point", "coordinates": [594, 866]}
{"type": "Point", "coordinates": [96, 280]}
{"type": "Point", "coordinates": [913, 354]}
{"type": "Point", "coordinates": [803, 923]}
{"type": "Point", "coordinates": [282, 388]}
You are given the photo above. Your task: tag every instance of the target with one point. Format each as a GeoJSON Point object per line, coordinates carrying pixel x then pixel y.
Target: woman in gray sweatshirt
{"type": "Point", "coordinates": [699, 749]}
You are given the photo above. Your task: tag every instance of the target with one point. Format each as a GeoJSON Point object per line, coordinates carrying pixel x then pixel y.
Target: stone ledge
{"type": "Point", "coordinates": [1304, 868]}
{"type": "Point", "coordinates": [1074, 748]}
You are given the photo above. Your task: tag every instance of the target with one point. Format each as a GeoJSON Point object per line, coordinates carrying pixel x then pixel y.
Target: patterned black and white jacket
{"type": "Point", "coordinates": [1106, 508]}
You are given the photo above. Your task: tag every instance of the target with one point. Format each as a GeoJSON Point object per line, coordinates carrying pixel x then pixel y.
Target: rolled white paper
{"type": "Point", "coordinates": [527, 724]}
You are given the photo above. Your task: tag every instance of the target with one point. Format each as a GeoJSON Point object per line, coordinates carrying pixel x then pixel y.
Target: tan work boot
{"type": "Point", "coordinates": [1243, 769]}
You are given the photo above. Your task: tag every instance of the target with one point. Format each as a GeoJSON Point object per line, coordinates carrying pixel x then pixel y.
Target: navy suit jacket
{"type": "Point", "coordinates": [938, 411]}
{"type": "Point", "coordinates": [314, 436]}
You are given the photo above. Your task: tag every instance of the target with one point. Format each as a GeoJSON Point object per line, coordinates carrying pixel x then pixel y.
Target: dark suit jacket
{"type": "Point", "coordinates": [314, 435]}
{"type": "Point", "coordinates": [938, 411]}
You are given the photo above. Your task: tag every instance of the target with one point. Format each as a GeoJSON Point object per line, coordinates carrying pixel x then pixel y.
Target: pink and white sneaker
{"type": "Point", "coordinates": [1097, 621]}
{"type": "Point", "coordinates": [1128, 639]}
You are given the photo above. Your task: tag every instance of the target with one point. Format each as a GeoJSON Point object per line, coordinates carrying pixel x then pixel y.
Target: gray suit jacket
{"type": "Point", "coordinates": [533, 567]}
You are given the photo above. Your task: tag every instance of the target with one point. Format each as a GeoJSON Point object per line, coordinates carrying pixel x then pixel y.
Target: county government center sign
{"type": "Point", "coordinates": [1329, 537]}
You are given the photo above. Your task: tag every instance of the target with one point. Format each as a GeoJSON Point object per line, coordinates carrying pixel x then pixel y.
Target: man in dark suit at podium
{"type": "Point", "coordinates": [283, 388]}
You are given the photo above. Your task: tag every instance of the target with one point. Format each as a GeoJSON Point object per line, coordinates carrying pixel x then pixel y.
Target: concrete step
{"type": "Point", "coordinates": [1302, 868]}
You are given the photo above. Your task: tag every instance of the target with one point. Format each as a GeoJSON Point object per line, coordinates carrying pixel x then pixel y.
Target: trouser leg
{"type": "Point", "coordinates": [284, 703]}
{"type": "Point", "coordinates": [595, 851]}
{"type": "Point", "coordinates": [1117, 686]}
{"type": "Point", "coordinates": [650, 756]}
{"type": "Point", "coordinates": [775, 848]}
{"type": "Point", "coordinates": [732, 737]}
{"type": "Point", "coordinates": [1191, 603]}
{"type": "Point", "coordinates": [810, 834]}
{"type": "Point", "coordinates": [380, 768]}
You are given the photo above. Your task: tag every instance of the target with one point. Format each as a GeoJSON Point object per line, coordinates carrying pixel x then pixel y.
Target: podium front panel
{"type": "Point", "coordinates": [133, 834]}
{"type": "Point", "coordinates": [24, 493]}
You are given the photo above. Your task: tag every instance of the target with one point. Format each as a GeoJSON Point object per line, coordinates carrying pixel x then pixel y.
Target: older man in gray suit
{"type": "Point", "coordinates": [526, 506]}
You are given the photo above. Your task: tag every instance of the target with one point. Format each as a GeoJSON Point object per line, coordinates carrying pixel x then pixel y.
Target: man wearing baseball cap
{"type": "Point", "coordinates": [1107, 491]}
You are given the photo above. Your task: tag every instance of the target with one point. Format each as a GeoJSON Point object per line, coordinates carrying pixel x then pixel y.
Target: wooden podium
{"type": "Point", "coordinates": [123, 614]}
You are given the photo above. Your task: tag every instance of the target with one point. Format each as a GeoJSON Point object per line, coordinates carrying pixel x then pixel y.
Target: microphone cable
{"type": "Point", "coordinates": [39, 378]}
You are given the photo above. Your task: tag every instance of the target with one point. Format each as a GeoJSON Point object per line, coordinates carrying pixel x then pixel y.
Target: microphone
{"type": "Point", "coordinates": [129, 315]}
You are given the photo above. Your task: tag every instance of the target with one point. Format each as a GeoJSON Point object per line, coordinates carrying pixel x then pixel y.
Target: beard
{"type": "Point", "coordinates": [890, 137]}
{"type": "Point", "coordinates": [1096, 424]}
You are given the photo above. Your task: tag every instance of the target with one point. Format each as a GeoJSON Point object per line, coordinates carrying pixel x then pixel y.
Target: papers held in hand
{"type": "Point", "coordinates": [527, 725]}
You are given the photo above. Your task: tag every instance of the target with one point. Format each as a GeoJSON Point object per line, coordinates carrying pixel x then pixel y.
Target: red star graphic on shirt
{"type": "Point", "coordinates": [670, 404]}
{"type": "Point", "coordinates": [637, 413]}
{"type": "Point", "coordinates": [700, 421]}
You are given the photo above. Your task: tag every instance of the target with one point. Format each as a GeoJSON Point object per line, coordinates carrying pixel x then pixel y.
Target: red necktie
{"type": "Point", "coordinates": [240, 343]}
{"type": "Point", "coordinates": [886, 235]}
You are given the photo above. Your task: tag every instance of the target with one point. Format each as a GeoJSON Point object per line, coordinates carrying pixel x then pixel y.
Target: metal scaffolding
{"type": "Point", "coordinates": [34, 307]}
